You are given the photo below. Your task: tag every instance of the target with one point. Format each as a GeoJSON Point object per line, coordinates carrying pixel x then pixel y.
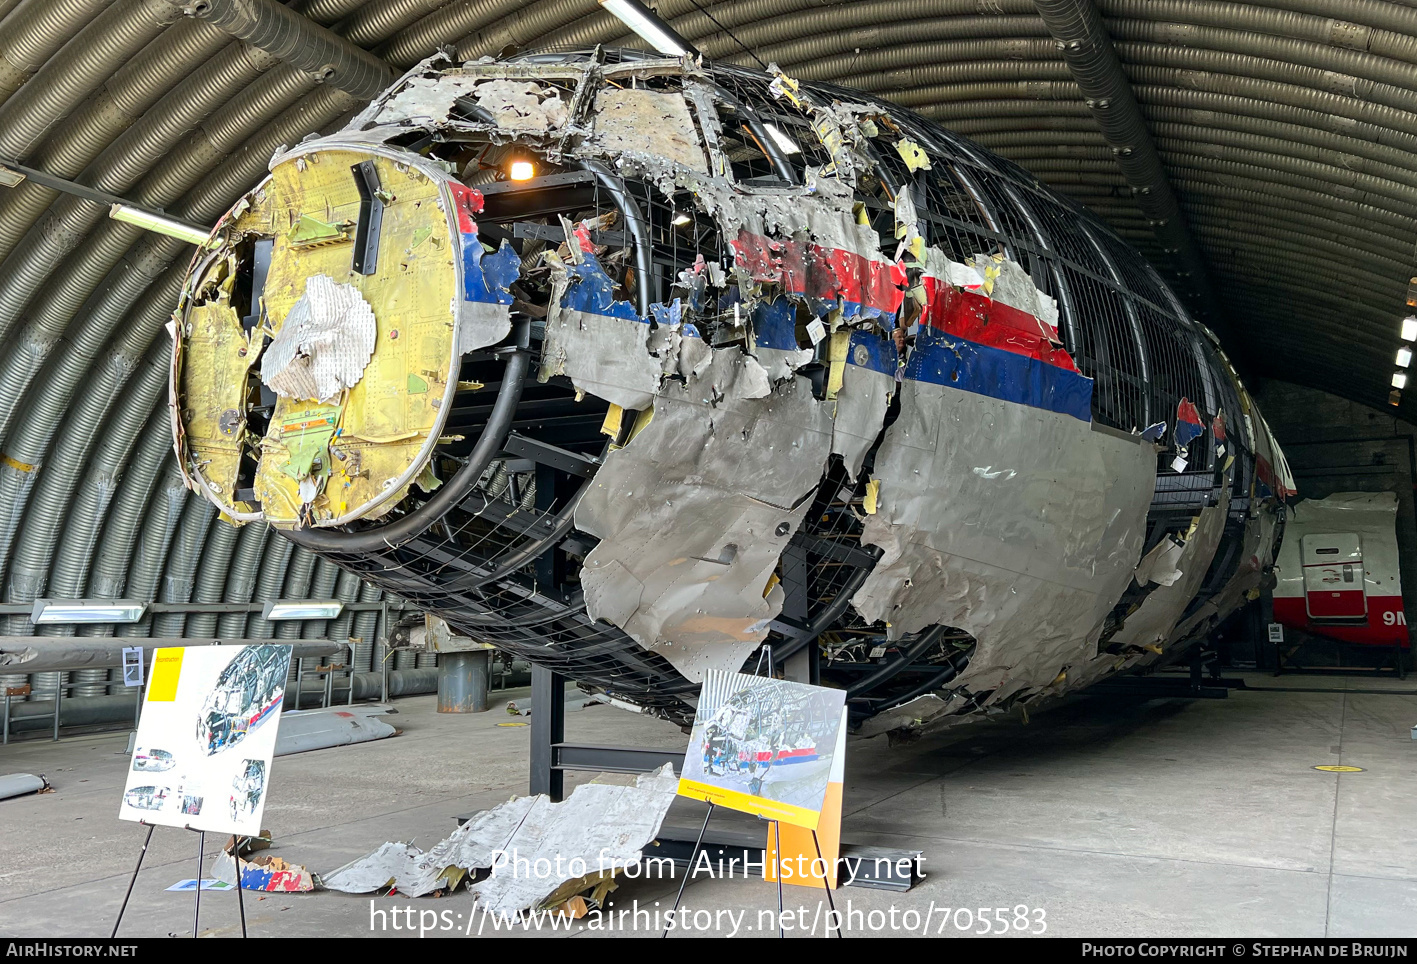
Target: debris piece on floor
{"type": "Point", "coordinates": [249, 844]}
{"type": "Point", "coordinates": [523, 707]}
{"type": "Point", "coordinates": [268, 873]}
{"type": "Point", "coordinates": [302, 730]}
{"type": "Point", "coordinates": [21, 784]}
{"type": "Point", "coordinates": [581, 844]}
{"type": "Point", "coordinates": [207, 884]}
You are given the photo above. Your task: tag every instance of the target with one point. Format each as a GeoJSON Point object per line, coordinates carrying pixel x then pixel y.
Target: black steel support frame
{"type": "Point", "coordinates": [201, 856]}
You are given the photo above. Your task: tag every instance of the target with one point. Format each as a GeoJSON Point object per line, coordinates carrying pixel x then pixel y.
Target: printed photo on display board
{"type": "Point", "coordinates": [206, 737]}
{"type": "Point", "coordinates": [764, 746]}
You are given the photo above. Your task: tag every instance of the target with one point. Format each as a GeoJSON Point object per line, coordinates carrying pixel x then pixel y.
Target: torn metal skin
{"type": "Point", "coordinates": [719, 294]}
{"type": "Point", "coordinates": [598, 831]}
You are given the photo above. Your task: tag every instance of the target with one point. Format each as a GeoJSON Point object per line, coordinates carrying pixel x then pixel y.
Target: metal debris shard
{"type": "Point", "coordinates": [596, 832]}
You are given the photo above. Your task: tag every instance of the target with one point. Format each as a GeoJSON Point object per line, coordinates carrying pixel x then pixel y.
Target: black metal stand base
{"type": "Point", "coordinates": [201, 855]}
{"type": "Point", "coordinates": [777, 835]}
{"type": "Point", "coordinates": [552, 756]}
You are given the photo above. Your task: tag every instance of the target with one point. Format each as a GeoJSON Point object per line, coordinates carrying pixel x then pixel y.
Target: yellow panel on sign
{"type": "Point", "coordinates": [747, 803]}
{"type": "Point", "coordinates": [167, 669]}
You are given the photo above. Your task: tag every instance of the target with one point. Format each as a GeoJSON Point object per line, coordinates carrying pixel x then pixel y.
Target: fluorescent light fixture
{"type": "Point", "coordinates": [278, 609]}
{"type": "Point", "coordinates": [1409, 328]}
{"type": "Point", "coordinates": [681, 219]}
{"type": "Point", "coordinates": [156, 223]}
{"type": "Point", "coordinates": [523, 170]}
{"type": "Point", "coordinates": [788, 145]}
{"type": "Point", "coordinates": [652, 30]}
{"type": "Point", "coordinates": [11, 178]}
{"type": "Point", "coordinates": [1404, 357]}
{"type": "Point", "coordinates": [87, 611]}
{"type": "Point", "coordinates": [1399, 379]}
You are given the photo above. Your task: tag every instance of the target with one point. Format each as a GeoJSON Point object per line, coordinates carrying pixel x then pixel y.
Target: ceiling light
{"type": "Point", "coordinates": [787, 144]}
{"type": "Point", "coordinates": [652, 30]}
{"type": "Point", "coordinates": [1409, 328]}
{"type": "Point", "coordinates": [1399, 379]}
{"type": "Point", "coordinates": [681, 219]}
{"type": "Point", "coordinates": [1394, 397]}
{"type": "Point", "coordinates": [1404, 357]}
{"type": "Point", "coordinates": [278, 609]}
{"type": "Point", "coordinates": [523, 170]}
{"type": "Point", "coordinates": [87, 611]}
{"type": "Point", "coordinates": [158, 224]}
{"type": "Point", "coordinates": [11, 178]}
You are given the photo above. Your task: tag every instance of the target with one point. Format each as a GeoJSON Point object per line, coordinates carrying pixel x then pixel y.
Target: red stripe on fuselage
{"type": "Point", "coordinates": [813, 271]}
{"type": "Point", "coordinates": [830, 273]}
{"type": "Point", "coordinates": [981, 319]}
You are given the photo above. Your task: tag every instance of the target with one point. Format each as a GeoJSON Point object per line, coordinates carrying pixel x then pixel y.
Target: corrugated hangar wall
{"type": "Point", "coordinates": [1281, 131]}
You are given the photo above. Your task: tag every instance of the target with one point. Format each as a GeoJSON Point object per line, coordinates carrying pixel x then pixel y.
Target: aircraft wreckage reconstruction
{"type": "Point", "coordinates": [631, 366]}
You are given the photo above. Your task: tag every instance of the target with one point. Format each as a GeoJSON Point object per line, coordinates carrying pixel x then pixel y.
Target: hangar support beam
{"type": "Point", "coordinates": [1082, 38]}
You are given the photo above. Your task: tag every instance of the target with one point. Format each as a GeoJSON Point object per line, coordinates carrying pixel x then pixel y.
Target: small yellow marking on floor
{"type": "Point", "coordinates": [1327, 768]}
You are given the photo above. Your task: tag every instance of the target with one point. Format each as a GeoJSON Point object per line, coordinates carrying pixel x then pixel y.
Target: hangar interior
{"type": "Point", "coordinates": [1255, 159]}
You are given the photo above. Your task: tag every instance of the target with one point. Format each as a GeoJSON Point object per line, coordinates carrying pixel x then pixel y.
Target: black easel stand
{"type": "Point", "coordinates": [201, 854]}
{"type": "Point", "coordinates": [777, 835]}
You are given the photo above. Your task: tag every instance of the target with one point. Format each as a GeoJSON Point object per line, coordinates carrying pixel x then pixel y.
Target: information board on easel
{"type": "Point", "coordinates": [206, 737]}
{"type": "Point", "coordinates": [776, 749]}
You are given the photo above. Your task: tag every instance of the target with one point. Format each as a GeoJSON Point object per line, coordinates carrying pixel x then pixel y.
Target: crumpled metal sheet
{"type": "Point", "coordinates": [914, 715]}
{"type": "Point", "coordinates": [1018, 525]}
{"type": "Point", "coordinates": [1155, 619]}
{"type": "Point", "coordinates": [775, 338]}
{"type": "Point", "coordinates": [1162, 565]}
{"type": "Point", "coordinates": [426, 98]}
{"type": "Point", "coordinates": [520, 105]}
{"type": "Point", "coordinates": [695, 511]}
{"type": "Point", "coordinates": [605, 825]}
{"type": "Point", "coordinates": [868, 382]}
{"type": "Point", "coordinates": [655, 122]}
{"type": "Point", "coordinates": [323, 345]}
{"type": "Point", "coordinates": [1257, 553]}
{"type": "Point", "coordinates": [414, 872]}
{"type": "Point", "coordinates": [523, 105]}
{"type": "Point", "coordinates": [600, 343]}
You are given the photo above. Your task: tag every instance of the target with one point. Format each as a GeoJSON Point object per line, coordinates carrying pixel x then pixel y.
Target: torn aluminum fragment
{"type": "Point", "coordinates": [485, 314]}
{"type": "Point", "coordinates": [1153, 622]}
{"type": "Point", "coordinates": [1029, 564]}
{"type": "Point", "coordinates": [695, 511]}
{"type": "Point", "coordinates": [600, 343]}
{"type": "Point", "coordinates": [868, 371]}
{"type": "Point", "coordinates": [603, 827]}
{"type": "Point", "coordinates": [522, 105]}
{"type": "Point", "coordinates": [414, 873]}
{"type": "Point", "coordinates": [1162, 564]}
{"type": "Point", "coordinates": [775, 338]}
{"type": "Point", "coordinates": [648, 121]}
{"type": "Point", "coordinates": [914, 715]}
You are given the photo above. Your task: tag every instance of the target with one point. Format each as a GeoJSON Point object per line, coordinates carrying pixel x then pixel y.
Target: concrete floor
{"type": "Point", "coordinates": [1113, 817]}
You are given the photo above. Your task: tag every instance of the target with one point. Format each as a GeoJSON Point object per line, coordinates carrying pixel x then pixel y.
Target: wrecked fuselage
{"type": "Point", "coordinates": [632, 366]}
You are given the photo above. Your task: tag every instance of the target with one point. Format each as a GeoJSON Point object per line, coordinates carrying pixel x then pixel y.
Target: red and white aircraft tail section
{"type": "Point", "coordinates": [1338, 570]}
